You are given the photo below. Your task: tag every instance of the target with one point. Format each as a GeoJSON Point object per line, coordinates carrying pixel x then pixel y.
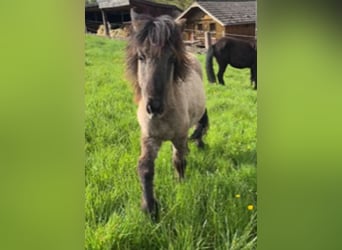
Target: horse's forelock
{"type": "Point", "coordinates": [153, 36]}
{"type": "Point", "coordinates": [157, 32]}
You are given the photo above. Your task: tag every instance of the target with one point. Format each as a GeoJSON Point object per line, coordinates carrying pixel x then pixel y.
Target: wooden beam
{"type": "Point", "coordinates": [207, 39]}
{"type": "Point", "coordinates": [105, 22]}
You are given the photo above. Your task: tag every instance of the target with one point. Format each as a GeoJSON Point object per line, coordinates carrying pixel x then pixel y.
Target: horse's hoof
{"type": "Point", "coordinates": [200, 144]}
{"type": "Point", "coordinates": [151, 209]}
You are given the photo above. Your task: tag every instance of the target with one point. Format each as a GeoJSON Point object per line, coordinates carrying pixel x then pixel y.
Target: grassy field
{"type": "Point", "coordinates": [211, 209]}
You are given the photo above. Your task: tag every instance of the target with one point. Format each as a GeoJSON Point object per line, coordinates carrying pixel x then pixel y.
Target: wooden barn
{"type": "Point", "coordinates": [115, 13]}
{"type": "Point", "coordinates": [219, 18]}
{"type": "Point", "coordinates": [93, 17]}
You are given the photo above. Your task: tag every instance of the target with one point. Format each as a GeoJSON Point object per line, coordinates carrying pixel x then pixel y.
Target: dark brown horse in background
{"type": "Point", "coordinates": [235, 52]}
{"type": "Point", "coordinates": [170, 94]}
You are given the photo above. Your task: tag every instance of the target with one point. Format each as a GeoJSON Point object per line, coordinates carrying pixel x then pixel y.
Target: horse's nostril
{"type": "Point", "coordinates": [149, 109]}
{"type": "Point", "coordinates": [154, 106]}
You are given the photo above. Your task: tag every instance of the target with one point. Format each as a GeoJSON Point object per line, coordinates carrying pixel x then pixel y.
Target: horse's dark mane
{"type": "Point", "coordinates": [153, 36]}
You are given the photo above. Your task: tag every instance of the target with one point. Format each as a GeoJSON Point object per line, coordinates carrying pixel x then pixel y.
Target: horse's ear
{"type": "Point", "coordinates": [181, 23]}
{"type": "Point", "coordinates": [137, 19]}
{"type": "Point", "coordinates": [134, 14]}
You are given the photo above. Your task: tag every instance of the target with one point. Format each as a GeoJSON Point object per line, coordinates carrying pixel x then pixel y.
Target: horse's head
{"type": "Point", "coordinates": [156, 58]}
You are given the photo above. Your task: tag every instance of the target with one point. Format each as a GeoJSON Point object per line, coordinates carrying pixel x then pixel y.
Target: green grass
{"type": "Point", "coordinates": [200, 213]}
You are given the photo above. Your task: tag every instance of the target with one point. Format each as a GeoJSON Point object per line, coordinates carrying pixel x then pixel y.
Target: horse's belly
{"type": "Point", "coordinates": [240, 62]}
{"type": "Point", "coordinates": [196, 106]}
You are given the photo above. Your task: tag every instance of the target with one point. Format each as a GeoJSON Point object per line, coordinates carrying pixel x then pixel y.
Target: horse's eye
{"type": "Point", "coordinates": [141, 57]}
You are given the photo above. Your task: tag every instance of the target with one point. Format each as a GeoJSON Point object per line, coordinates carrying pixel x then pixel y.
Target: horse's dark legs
{"type": "Point", "coordinates": [222, 69]}
{"type": "Point", "coordinates": [254, 76]}
{"type": "Point", "coordinates": [149, 151]}
{"type": "Point", "coordinates": [180, 149]}
{"type": "Point", "coordinates": [201, 128]}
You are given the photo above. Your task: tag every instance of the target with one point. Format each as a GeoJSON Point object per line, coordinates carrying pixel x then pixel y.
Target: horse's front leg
{"type": "Point", "coordinates": [180, 150]}
{"type": "Point", "coordinates": [149, 151]}
{"type": "Point", "coordinates": [254, 76]}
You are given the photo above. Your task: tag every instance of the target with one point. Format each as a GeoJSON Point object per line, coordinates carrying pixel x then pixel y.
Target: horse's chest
{"type": "Point", "coordinates": [161, 129]}
{"type": "Point", "coordinates": [164, 129]}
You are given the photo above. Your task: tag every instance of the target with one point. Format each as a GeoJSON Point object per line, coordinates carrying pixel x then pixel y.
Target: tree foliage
{"type": "Point", "coordinates": [182, 4]}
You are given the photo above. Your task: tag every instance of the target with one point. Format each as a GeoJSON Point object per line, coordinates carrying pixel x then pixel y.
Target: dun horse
{"type": "Point", "coordinates": [170, 94]}
{"type": "Point", "coordinates": [238, 53]}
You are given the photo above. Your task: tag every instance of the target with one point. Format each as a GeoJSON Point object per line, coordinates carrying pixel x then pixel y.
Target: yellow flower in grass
{"type": "Point", "coordinates": [237, 196]}
{"type": "Point", "coordinates": [250, 207]}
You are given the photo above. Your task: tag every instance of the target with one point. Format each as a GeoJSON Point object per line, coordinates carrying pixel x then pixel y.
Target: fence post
{"type": "Point", "coordinates": [105, 22]}
{"type": "Point", "coordinates": [207, 39]}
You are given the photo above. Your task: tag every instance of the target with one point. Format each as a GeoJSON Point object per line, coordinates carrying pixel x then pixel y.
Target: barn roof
{"type": "Point", "coordinates": [225, 12]}
{"type": "Point", "coordinates": [112, 3]}
{"type": "Point", "coordinates": [91, 6]}
{"type": "Point", "coordinates": [124, 3]}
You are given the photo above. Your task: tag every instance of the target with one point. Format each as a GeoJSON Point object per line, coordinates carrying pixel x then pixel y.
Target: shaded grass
{"type": "Point", "coordinates": [200, 213]}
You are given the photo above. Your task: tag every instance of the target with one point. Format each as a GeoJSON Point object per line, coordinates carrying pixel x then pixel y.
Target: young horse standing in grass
{"type": "Point", "coordinates": [238, 53]}
{"type": "Point", "coordinates": [170, 95]}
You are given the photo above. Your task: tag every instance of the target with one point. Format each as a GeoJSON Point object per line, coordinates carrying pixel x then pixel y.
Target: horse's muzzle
{"type": "Point", "coordinates": [154, 107]}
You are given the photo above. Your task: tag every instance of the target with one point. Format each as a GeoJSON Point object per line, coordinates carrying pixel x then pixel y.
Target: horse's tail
{"type": "Point", "coordinates": [209, 65]}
